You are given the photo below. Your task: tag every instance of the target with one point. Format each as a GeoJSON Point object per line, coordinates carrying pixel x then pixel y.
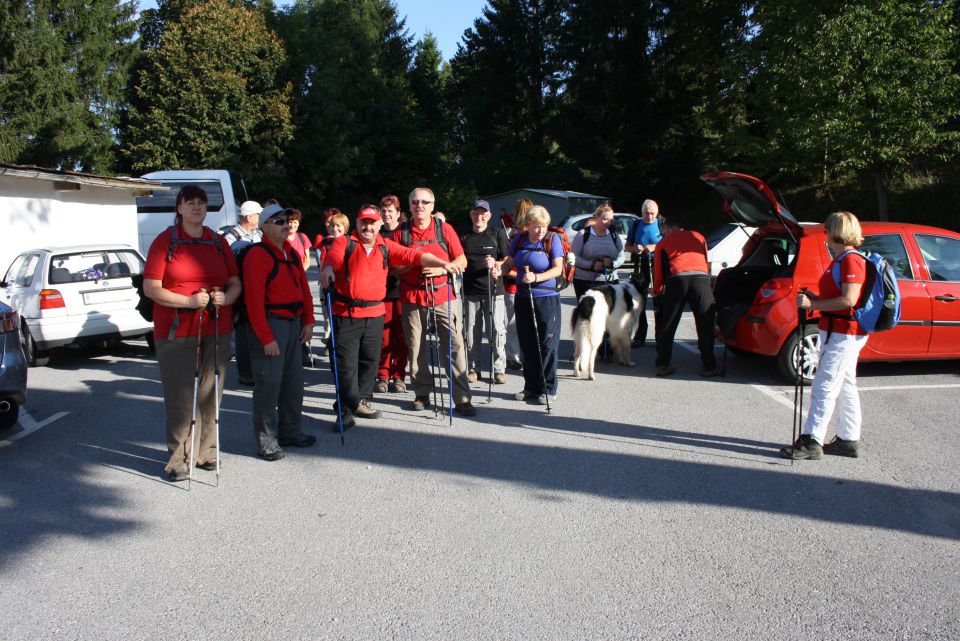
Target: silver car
{"type": "Point", "coordinates": [13, 368]}
{"type": "Point", "coordinates": [74, 295]}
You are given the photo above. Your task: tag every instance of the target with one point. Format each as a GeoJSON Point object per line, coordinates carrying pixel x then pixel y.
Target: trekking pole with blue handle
{"type": "Point", "coordinates": [336, 375]}
{"type": "Point", "coordinates": [450, 345]}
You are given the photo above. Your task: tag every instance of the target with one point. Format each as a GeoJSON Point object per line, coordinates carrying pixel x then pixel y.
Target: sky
{"type": "Point", "coordinates": [447, 20]}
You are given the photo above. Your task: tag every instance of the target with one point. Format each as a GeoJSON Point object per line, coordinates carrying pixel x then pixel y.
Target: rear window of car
{"type": "Point", "coordinates": [942, 256]}
{"type": "Point", "coordinates": [98, 265]}
{"type": "Point", "coordinates": [719, 234]}
{"type": "Point", "coordinates": [891, 247]}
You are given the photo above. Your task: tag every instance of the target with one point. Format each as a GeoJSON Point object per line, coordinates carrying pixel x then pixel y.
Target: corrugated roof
{"type": "Point", "coordinates": [78, 178]}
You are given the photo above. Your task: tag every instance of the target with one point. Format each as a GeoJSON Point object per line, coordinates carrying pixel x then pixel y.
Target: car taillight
{"type": "Point", "coordinates": [51, 299]}
{"type": "Point", "coordinates": [773, 290]}
{"type": "Point", "coordinates": [10, 322]}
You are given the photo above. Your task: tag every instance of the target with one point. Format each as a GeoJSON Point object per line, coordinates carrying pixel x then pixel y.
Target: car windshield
{"type": "Point", "coordinates": [94, 265]}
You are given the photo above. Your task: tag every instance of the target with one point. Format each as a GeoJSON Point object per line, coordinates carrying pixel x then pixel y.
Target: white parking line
{"type": "Point", "coordinates": [30, 425]}
{"type": "Point", "coordinates": [785, 398]}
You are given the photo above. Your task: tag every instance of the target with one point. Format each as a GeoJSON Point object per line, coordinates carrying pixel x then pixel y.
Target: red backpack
{"type": "Point", "coordinates": [553, 234]}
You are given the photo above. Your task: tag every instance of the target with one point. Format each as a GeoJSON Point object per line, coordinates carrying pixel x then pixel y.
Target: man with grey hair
{"type": "Point", "coordinates": [248, 227]}
{"type": "Point", "coordinates": [641, 241]}
{"type": "Point", "coordinates": [424, 295]}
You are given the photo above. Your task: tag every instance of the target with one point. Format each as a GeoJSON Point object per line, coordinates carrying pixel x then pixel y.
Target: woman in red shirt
{"type": "Point", "coordinates": [841, 339]}
{"type": "Point", "coordinates": [189, 269]}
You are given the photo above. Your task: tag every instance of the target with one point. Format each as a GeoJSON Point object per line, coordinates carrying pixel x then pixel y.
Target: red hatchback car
{"type": "Point", "coordinates": [756, 298]}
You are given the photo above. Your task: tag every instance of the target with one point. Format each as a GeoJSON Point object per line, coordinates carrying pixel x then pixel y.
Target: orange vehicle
{"type": "Point", "coordinates": [756, 298]}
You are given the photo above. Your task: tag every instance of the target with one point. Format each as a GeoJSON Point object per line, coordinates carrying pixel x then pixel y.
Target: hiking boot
{"type": "Point", "coordinates": [840, 447]}
{"type": "Point", "coordinates": [380, 387]}
{"type": "Point", "coordinates": [524, 395]}
{"type": "Point", "coordinates": [465, 408]}
{"type": "Point", "coordinates": [665, 370]}
{"type": "Point", "coordinates": [420, 403]}
{"type": "Point", "coordinates": [348, 422]}
{"type": "Point", "coordinates": [365, 410]}
{"type": "Point", "coordinates": [303, 440]}
{"type": "Point", "coordinates": [397, 385]}
{"type": "Point", "coordinates": [473, 376]}
{"type": "Point", "coordinates": [707, 372]}
{"type": "Point", "coordinates": [514, 364]}
{"type": "Point", "coordinates": [499, 379]}
{"type": "Point", "coordinates": [804, 449]}
{"type": "Point", "coordinates": [177, 475]}
{"type": "Point", "coordinates": [271, 455]}
{"type": "Point", "coordinates": [209, 466]}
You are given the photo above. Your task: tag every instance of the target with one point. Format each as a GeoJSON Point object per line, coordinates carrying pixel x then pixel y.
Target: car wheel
{"type": "Point", "coordinates": [35, 357]}
{"type": "Point", "coordinates": [788, 357]}
{"type": "Point", "coordinates": [8, 418]}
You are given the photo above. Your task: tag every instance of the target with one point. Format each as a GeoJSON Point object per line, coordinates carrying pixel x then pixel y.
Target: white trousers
{"type": "Point", "coordinates": [835, 388]}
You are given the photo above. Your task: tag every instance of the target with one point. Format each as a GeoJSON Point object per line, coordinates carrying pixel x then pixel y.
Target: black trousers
{"type": "Point", "coordinates": [678, 292]}
{"type": "Point", "coordinates": [546, 333]}
{"type": "Point", "coordinates": [358, 357]}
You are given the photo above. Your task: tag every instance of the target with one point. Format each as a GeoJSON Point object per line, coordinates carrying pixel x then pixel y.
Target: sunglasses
{"type": "Point", "coordinates": [421, 202]}
{"type": "Point", "coordinates": [279, 221]}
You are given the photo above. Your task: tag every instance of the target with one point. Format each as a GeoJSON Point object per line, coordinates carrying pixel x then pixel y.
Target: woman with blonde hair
{"type": "Point", "coordinates": [841, 339]}
{"type": "Point", "coordinates": [538, 261]}
{"type": "Point", "coordinates": [598, 250]}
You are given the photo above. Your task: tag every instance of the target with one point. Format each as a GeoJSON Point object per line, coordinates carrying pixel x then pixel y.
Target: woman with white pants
{"type": "Point", "coordinates": [841, 339]}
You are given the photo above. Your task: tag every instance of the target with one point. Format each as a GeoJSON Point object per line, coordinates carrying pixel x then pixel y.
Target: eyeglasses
{"type": "Point", "coordinates": [421, 202]}
{"type": "Point", "coordinates": [279, 220]}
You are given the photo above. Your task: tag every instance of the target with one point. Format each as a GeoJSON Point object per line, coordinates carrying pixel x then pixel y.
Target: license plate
{"type": "Point", "coordinates": [100, 296]}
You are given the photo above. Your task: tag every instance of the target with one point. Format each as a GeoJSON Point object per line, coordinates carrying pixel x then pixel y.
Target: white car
{"type": "Point", "coordinates": [74, 295]}
{"type": "Point", "coordinates": [621, 224]}
{"type": "Point", "coordinates": [725, 246]}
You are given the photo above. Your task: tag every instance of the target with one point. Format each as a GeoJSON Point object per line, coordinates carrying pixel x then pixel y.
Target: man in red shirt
{"type": "Point", "coordinates": [280, 310]}
{"type": "Point", "coordinates": [681, 275]}
{"type": "Point", "coordinates": [427, 291]}
{"type": "Point", "coordinates": [358, 266]}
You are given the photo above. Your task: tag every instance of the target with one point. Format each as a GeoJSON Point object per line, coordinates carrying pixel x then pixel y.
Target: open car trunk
{"type": "Point", "coordinates": [768, 255]}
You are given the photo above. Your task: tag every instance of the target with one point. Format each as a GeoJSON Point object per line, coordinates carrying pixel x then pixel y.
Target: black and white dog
{"type": "Point", "coordinates": [611, 308]}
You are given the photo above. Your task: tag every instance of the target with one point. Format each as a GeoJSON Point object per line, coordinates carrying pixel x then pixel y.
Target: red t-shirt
{"type": "Point", "coordinates": [683, 251]}
{"type": "Point", "coordinates": [853, 269]}
{"type": "Point", "coordinates": [368, 277]}
{"type": "Point", "coordinates": [300, 244]}
{"type": "Point", "coordinates": [411, 286]}
{"type": "Point", "coordinates": [191, 268]}
{"type": "Point", "coordinates": [288, 286]}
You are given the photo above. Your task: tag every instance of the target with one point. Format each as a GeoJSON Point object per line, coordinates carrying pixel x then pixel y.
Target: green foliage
{"type": "Point", "coordinates": [64, 68]}
{"type": "Point", "coordinates": [208, 96]}
{"type": "Point", "coordinates": [861, 88]}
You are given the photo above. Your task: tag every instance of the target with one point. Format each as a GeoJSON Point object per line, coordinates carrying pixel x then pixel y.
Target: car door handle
{"type": "Point", "coordinates": [949, 298]}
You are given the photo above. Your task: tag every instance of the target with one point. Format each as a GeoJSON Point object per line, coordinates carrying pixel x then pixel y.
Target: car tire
{"type": "Point", "coordinates": [9, 418]}
{"type": "Point", "coordinates": [787, 358]}
{"type": "Point", "coordinates": [35, 356]}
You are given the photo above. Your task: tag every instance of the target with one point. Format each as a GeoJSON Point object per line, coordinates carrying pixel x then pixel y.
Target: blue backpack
{"type": "Point", "coordinates": [879, 308]}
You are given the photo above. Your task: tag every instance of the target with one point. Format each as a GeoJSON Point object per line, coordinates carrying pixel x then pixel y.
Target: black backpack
{"type": "Point", "coordinates": [355, 302]}
{"type": "Point", "coordinates": [437, 233]}
{"type": "Point", "coordinates": [145, 304]}
{"type": "Point", "coordinates": [240, 316]}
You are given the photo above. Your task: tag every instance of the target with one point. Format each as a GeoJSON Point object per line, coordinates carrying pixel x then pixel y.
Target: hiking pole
{"type": "Point", "coordinates": [490, 333]}
{"type": "Point", "coordinates": [216, 380]}
{"type": "Point", "coordinates": [536, 330]}
{"type": "Point", "coordinates": [196, 387]}
{"type": "Point", "coordinates": [336, 375]}
{"type": "Point", "coordinates": [433, 339]}
{"type": "Point", "coordinates": [450, 346]}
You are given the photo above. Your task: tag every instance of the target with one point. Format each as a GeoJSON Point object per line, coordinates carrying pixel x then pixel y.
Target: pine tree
{"type": "Point", "coordinates": [64, 65]}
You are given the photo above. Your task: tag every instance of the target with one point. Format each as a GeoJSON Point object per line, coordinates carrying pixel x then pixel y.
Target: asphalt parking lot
{"type": "Point", "coordinates": [640, 508]}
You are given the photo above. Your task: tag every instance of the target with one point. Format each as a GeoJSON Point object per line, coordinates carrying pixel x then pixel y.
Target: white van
{"type": "Point", "coordinates": [226, 191]}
